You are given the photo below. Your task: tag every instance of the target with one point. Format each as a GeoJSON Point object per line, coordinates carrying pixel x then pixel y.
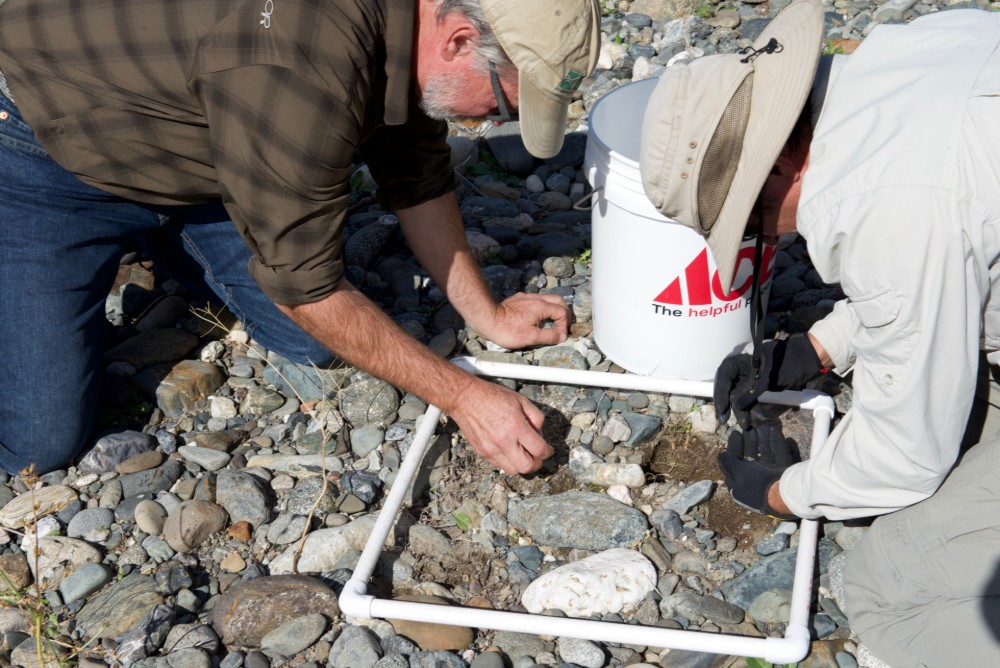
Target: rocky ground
{"type": "Point", "coordinates": [217, 518]}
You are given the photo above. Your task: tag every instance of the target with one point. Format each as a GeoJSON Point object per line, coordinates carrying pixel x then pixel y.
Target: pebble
{"type": "Point", "coordinates": [583, 653]}
{"type": "Point", "coordinates": [150, 517]}
{"type": "Point", "coordinates": [191, 523]}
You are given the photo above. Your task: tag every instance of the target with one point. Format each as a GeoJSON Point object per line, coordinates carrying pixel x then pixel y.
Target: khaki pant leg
{"type": "Point", "coordinates": [984, 420]}
{"type": "Point", "coordinates": [922, 588]}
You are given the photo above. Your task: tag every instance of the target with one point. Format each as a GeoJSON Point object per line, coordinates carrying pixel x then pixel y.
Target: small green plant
{"type": "Point", "coordinates": [31, 601]}
{"type": "Point", "coordinates": [582, 258]}
{"type": "Point", "coordinates": [831, 49]}
{"type": "Point", "coordinates": [619, 39]}
{"type": "Point", "coordinates": [753, 662]}
{"type": "Point", "coordinates": [463, 521]}
{"type": "Point", "coordinates": [488, 165]}
{"type": "Point", "coordinates": [704, 11]}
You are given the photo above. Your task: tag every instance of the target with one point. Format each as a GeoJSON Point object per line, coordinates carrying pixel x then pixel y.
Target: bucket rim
{"type": "Point", "coordinates": [592, 134]}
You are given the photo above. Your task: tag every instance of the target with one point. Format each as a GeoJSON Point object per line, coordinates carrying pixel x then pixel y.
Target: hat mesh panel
{"type": "Point", "coordinates": [723, 156]}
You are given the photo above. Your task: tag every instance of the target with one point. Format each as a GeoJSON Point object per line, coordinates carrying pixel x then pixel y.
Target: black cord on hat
{"type": "Point", "coordinates": [772, 46]}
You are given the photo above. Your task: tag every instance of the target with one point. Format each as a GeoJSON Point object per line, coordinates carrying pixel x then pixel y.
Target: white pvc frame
{"type": "Point", "coordinates": [793, 647]}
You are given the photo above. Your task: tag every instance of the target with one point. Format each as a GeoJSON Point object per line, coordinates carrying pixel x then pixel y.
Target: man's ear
{"type": "Point", "coordinates": [458, 36]}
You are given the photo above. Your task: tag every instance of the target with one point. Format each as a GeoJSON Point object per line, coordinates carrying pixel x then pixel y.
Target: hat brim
{"type": "Point", "coordinates": [781, 85]}
{"type": "Point", "coordinates": [542, 119]}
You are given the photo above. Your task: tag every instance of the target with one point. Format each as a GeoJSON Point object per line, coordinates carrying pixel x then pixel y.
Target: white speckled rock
{"type": "Point", "coordinates": [324, 548]}
{"type": "Point", "coordinates": [704, 420]}
{"type": "Point", "coordinates": [58, 556]}
{"type": "Point", "coordinates": [611, 581]}
{"type": "Point", "coordinates": [44, 501]}
{"type": "Point", "coordinates": [604, 474]}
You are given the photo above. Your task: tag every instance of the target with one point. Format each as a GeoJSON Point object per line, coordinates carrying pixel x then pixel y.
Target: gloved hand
{"type": "Point", "coordinates": [753, 461]}
{"type": "Point", "coordinates": [785, 364]}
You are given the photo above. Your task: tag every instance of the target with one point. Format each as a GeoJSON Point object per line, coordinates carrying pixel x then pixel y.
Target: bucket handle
{"type": "Point", "coordinates": [584, 203]}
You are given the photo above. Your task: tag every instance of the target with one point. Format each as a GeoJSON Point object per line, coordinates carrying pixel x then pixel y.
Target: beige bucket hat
{"type": "Point", "coordinates": [554, 44]}
{"type": "Point", "coordinates": [713, 129]}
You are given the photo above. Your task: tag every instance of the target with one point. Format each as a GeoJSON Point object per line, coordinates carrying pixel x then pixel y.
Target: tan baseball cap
{"type": "Point", "coordinates": [554, 44]}
{"type": "Point", "coordinates": [713, 129]}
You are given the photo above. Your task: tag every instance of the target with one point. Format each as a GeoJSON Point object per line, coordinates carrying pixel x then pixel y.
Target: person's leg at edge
{"type": "Point", "coordinates": [922, 588]}
{"type": "Point", "coordinates": [200, 244]}
{"type": "Point", "coordinates": [60, 243]}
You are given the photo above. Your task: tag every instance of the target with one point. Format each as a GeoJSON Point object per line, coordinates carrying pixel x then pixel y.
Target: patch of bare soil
{"type": "Point", "coordinates": [682, 456]}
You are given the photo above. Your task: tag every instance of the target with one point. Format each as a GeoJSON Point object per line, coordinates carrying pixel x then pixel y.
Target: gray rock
{"type": "Point", "coordinates": [261, 401]}
{"type": "Point", "coordinates": [507, 147]}
{"type": "Point", "coordinates": [245, 497]}
{"type": "Point", "coordinates": [356, 647]}
{"type": "Point", "coordinates": [690, 496]}
{"type": "Point", "coordinates": [644, 427]}
{"type": "Point", "coordinates": [120, 607]}
{"type": "Point", "coordinates": [772, 544]}
{"type": "Point", "coordinates": [438, 659]}
{"type": "Point", "coordinates": [306, 493]}
{"type": "Point", "coordinates": [564, 357]}
{"type": "Point", "coordinates": [207, 458]}
{"type": "Point", "coordinates": [364, 245]}
{"type": "Point", "coordinates": [583, 520]}
{"type": "Point", "coordinates": [369, 400]}
{"type": "Point", "coordinates": [361, 484]}
{"type": "Point", "coordinates": [293, 636]}
{"type": "Point", "coordinates": [365, 439]}
{"type": "Point", "coordinates": [286, 529]}
{"type": "Point", "coordinates": [581, 652]}
{"type": "Point", "coordinates": [85, 580]}
{"type": "Point", "coordinates": [157, 549]}
{"type": "Point", "coordinates": [111, 450]}
{"type": "Point", "coordinates": [305, 381]}
{"type": "Point", "coordinates": [187, 636]}
{"type": "Point", "coordinates": [689, 605]}
{"type": "Point", "coordinates": [147, 637]}
{"type": "Point", "coordinates": [393, 661]}
{"type": "Point", "coordinates": [559, 243]}
{"type": "Point", "coordinates": [160, 479]}
{"type": "Point", "coordinates": [93, 524]}
{"type": "Point", "coordinates": [488, 660]}
{"type": "Point", "coordinates": [521, 644]}
{"type": "Point", "coordinates": [772, 572]}
{"type": "Point", "coordinates": [683, 658]}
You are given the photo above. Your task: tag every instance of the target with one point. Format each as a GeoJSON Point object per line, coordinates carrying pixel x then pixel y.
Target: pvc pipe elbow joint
{"type": "Point", "coordinates": [354, 602]}
{"type": "Point", "coordinates": [788, 650]}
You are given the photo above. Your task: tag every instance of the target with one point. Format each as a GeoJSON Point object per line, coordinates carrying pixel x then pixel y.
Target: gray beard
{"type": "Point", "coordinates": [440, 93]}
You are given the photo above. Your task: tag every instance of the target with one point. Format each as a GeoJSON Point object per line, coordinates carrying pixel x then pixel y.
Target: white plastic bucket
{"type": "Point", "coordinates": [658, 307]}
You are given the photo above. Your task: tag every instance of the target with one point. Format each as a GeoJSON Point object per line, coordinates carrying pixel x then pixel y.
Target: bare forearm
{"type": "Point", "coordinates": [358, 331]}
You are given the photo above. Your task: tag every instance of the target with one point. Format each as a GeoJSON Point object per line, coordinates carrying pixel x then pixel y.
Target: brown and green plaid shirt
{"type": "Point", "coordinates": [259, 102]}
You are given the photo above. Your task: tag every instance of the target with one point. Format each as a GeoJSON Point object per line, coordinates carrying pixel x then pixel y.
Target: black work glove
{"type": "Point", "coordinates": [785, 364]}
{"type": "Point", "coordinates": [753, 461]}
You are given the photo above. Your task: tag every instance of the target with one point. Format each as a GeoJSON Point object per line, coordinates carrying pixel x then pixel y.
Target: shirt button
{"type": "Point", "coordinates": [888, 379]}
{"type": "Point", "coordinates": [4, 115]}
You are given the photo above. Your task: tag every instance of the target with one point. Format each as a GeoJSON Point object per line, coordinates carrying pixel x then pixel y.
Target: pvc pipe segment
{"type": "Point", "coordinates": [793, 647]}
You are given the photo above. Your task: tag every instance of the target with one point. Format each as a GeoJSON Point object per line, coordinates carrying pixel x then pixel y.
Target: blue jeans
{"type": "Point", "coordinates": [60, 244]}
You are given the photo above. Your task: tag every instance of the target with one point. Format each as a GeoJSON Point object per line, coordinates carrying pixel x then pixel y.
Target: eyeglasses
{"type": "Point", "coordinates": [505, 116]}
